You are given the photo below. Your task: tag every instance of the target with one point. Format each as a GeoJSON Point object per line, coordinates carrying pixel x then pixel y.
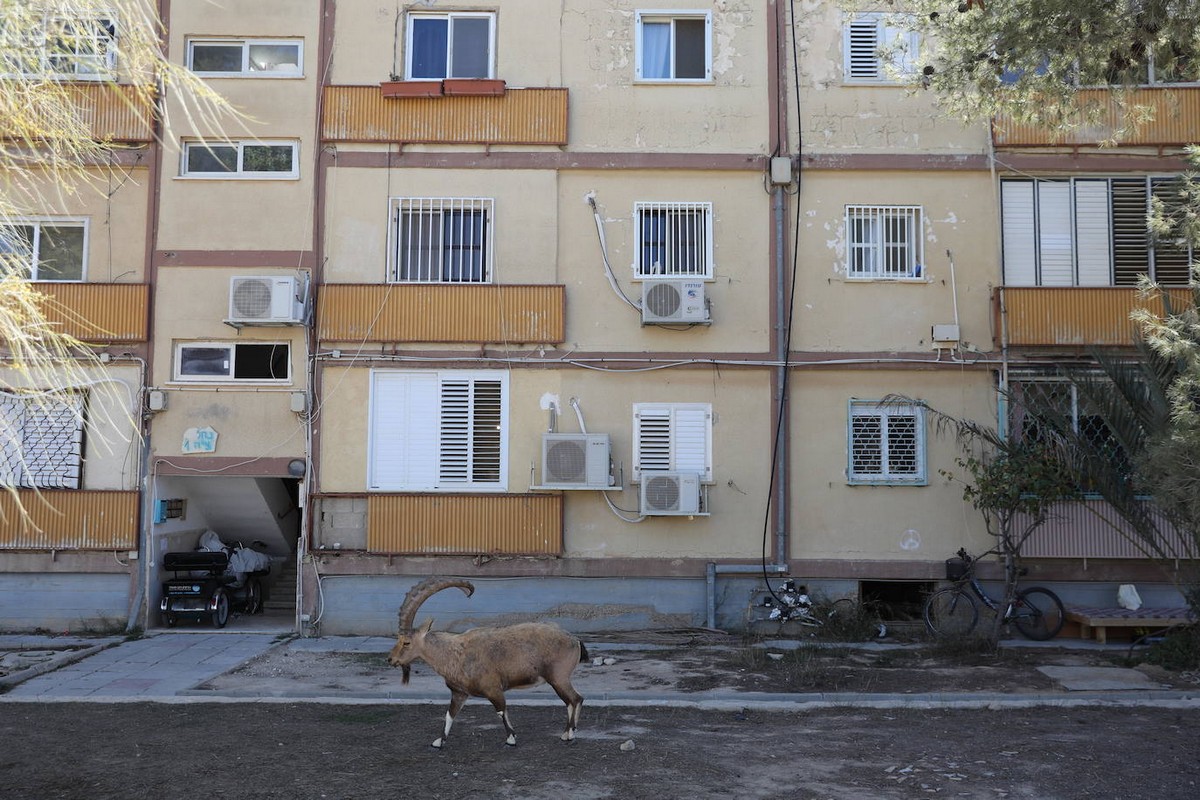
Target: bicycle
{"type": "Point", "coordinates": [1036, 611]}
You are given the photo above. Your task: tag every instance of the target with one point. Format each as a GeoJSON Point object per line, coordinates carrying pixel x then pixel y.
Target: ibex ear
{"type": "Point", "coordinates": [428, 624]}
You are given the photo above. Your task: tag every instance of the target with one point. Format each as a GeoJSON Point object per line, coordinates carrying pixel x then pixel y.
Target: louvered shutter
{"type": "Point", "coordinates": [404, 431]}
{"type": "Point", "coordinates": [1093, 232]}
{"type": "Point", "coordinates": [1019, 233]}
{"type": "Point", "coordinates": [1131, 239]}
{"type": "Point", "coordinates": [861, 50]}
{"type": "Point", "coordinates": [673, 437]}
{"type": "Point", "coordinates": [691, 439]}
{"type": "Point", "coordinates": [652, 439]}
{"type": "Point", "coordinates": [1055, 240]}
{"type": "Point", "coordinates": [1171, 261]}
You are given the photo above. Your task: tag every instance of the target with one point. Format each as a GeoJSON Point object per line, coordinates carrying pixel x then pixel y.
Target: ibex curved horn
{"type": "Point", "coordinates": [422, 592]}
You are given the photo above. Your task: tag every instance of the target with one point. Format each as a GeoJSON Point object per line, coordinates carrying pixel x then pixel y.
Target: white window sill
{"type": "Point", "coordinates": [657, 278]}
{"type": "Point", "coordinates": [236, 176]}
{"type": "Point", "coordinates": [674, 82]}
{"type": "Point", "coordinates": [885, 482]}
{"type": "Point", "coordinates": [856, 279]}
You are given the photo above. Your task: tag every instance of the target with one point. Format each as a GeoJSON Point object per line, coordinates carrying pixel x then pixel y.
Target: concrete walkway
{"type": "Point", "coordinates": [173, 667]}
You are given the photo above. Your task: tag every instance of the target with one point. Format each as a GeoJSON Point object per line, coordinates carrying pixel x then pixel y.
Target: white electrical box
{"type": "Point", "coordinates": [945, 336]}
{"type": "Point", "coordinates": [781, 170]}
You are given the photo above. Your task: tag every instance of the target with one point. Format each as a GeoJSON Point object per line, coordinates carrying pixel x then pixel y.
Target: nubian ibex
{"type": "Point", "coordinates": [484, 662]}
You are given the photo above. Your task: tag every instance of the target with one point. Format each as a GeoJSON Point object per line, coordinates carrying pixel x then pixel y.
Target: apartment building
{"type": "Point", "coordinates": [593, 306]}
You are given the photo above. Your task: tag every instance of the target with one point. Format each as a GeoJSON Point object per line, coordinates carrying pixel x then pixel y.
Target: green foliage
{"type": "Point", "coordinates": [1178, 650]}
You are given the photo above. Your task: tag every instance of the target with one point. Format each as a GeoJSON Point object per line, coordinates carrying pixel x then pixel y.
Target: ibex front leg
{"type": "Point", "coordinates": [457, 699]}
{"type": "Point", "coordinates": [574, 702]}
{"type": "Point", "coordinates": [498, 703]}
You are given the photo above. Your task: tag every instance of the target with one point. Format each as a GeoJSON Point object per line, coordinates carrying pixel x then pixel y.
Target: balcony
{"type": "Point", "coordinates": [1091, 529]}
{"type": "Point", "coordinates": [448, 524]}
{"type": "Point", "coordinates": [518, 116]}
{"type": "Point", "coordinates": [1176, 121]}
{"type": "Point", "coordinates": [1074, 316]}
{"type": "Point", "coordinates": [470, 313]}
{"type": "Point", "coordinates": [69, 520]}
{"type": "Point", "coordinates": [98, 312]}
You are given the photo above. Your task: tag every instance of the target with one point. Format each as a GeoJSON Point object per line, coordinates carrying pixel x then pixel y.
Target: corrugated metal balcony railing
{"type": "Point", "coordinates": [459, 313]}
{"type": "Point", "coordinates": [98, 312]}
{"type": "Point", "coordinates": [69, 520]}
{"type": "Point", "coordinates": [449, 524]}
{"type": "Point", "coordinates": [1080, 316]}
{"type": "Point", "coordinates": [1091, 529]}
{"type": "Point", "coordinates": [519, 116]}
{"type": "Point", "coordinates": [1176, 121]}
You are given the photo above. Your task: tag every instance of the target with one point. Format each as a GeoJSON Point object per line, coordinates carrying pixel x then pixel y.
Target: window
{"type": "Point", "coordinates": [58, 47]}
{"type": "Point", "coordinates": [41, 440]}
{"type": "Point", "coordinates": [876, 50]}
{"type": "Point", "coordinates": [883, 242]}
{"type": "Point", "coordinates": [45, 250]}
{"type": "Point", "coordinates": [887, 443]}
{"type": "Point", "coordinates": [674, 45]}
{"type": "Point", "coordinates": [439, 431]}
{"type": "Point", "coordinates": [260, 362]}
{"type": "Point", "coordinates": [1040, 404]}
{"type": "Point", "coordinates": [441, 240]}
{"type": "Point", "coordinates": [253, 58]}
{"type": "Point", "coordinates": [1087, 232]}
{"type": "Point", "coordinates": [675, 437]}
{"type": "Point", "coordinates": [241, 159]}
{"type": "Point", "coordinates": [456, 45]}
{"type": "Point", "coordinates": [673, 239]}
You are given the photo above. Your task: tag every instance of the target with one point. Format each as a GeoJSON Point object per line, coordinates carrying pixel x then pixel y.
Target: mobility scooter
{"type": "Point", "coordinates": [204, 588]}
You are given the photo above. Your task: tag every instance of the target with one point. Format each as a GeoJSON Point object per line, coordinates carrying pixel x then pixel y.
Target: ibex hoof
{"type": "Point", "coordinates": [511, 741]}
{"type": "Point", "coordinates": [568, 736]}
{"type": "Point", "coordinates": [438, 743]}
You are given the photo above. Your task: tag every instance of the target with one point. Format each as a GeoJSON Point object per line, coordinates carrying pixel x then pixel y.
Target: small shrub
{"type": "Point", "coordinates": [847, 621]}
{"type": "Point", "coordinates": [1179, 650]}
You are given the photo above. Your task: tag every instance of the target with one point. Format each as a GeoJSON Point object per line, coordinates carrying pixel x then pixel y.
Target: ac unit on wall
{"type": "Point", "coordinates": [670, 493]}
{"type": "Point", "coordinates": [575, 461]}
{"type": "Point", "coordinates": [673, 301]}
{"type": "Point", "coordinates": [264, 300]}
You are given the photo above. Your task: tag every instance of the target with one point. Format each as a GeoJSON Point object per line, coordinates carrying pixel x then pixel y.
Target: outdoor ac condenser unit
{"type": "Point", "coordinates": [673, 302]}
{"type": "Point", "coordinates": [576, 461]}
{"type": "Point", "coordinates": [670, 493]}
{"type": "Point", "coordinates": [265, 300]}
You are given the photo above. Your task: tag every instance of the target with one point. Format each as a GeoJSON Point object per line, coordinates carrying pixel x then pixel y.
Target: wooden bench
{"type": "Point", "coordinates": [1097, 621]}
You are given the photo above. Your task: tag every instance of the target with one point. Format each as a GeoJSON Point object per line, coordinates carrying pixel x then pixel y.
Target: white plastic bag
{"type": "Point", "coordinates": [1127, 597]}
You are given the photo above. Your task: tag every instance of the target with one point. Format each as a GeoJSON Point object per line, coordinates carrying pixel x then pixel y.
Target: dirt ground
{"type": "Point", "coordinates": [371, 752]}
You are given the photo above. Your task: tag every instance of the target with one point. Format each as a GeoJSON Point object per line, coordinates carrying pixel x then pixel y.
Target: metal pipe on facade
{"type": "Point", "coordinates": [781, 353]}
{"type": "Point", "coordinates": [715, 569]}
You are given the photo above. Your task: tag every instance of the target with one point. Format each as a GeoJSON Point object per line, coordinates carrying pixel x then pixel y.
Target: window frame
{"type": "Point", "coordinates": [886, 36]}
{"type": "Point", "coordinates": [240, 173]}
{"type": "Point", "coordinates": [914, 249]}
{"type": "Point", "coordinates": [229, 376]}
{"type": "Point", "coordinates": [643, 271]}
{"type": "Point", "coordinates": [683, 422]}
{"type": "Point", "coordinates": [60, 222]}
{"type": "Point", "coordinates": [38, 46]}
{"type": "Point", "coordinates": [31, 463]}
{"type": "Point", "coordinates": [245, 44]}
{"type": "Point", "coordinates": [858, 407]}
{"type": "Point", "coordinates": [426, 470]}
{"type": "Point", "coordinates": [671, 16]}
{"type": "Point", "coordinates": [449, 16]}
{"type": "Point", "coordinates": [440, 206]}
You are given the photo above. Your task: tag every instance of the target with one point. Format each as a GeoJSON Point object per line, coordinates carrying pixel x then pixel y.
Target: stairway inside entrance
{"type": "Point", "coordinates": [281, 595]}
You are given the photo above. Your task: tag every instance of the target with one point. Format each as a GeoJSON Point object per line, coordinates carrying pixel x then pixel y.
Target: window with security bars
{"type": "Point", "coordinates": [673, 240]}
{"type": "Point", "coordinates": [877, 48]}
{"type": "Point", "coordinates": [672, 437]}
{"type": "Point", "coordinates": [41, 441]}
{"type": "Point", "coordinates": [1089, 232]}
{"type": "Point", "coordinates": [438, 431]}
{"type": "Point", "coordinates": [883, 242]}
{"type": "Point", "coordinates": [44, 45]}
{"type": "Point", "coordinates": [1038, 406]}
{"type": "Point", "coordinates": [442, 240]}
{"type": "Point", "coordinates": [887, 443]}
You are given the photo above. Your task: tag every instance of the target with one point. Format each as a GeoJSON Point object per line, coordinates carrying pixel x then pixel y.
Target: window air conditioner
{"type": "Point", "coordinates": [674, 301]}
{"type": "Point", "coordinates": [575, 461]}
{"type": "Point", "coordinates": [670, 494]}
{"type": "Point", "coordinates": [265, 300]}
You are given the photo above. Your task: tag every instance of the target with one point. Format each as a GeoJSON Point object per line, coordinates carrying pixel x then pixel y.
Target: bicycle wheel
{"type": "Point", "coordinates": [950, 612]}
{"type": "Point", "coordinates": [1038, 614]}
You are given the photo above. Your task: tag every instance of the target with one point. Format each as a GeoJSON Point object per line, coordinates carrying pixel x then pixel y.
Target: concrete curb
{"type": "Point", "coordinates": [12, 679]}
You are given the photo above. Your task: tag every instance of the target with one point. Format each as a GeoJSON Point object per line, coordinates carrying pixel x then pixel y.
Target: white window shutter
{"type": "Point", "coordinates": [652, 439]}
{"type": "Point", "coordinates": [861, 49]}
{"type": "Point", "coordinates": [1019, 232]}
{"type": "Point", "coordinates": [54, 442]}
{"type": "Point", "coordinates": [1055, 240]}
{"type": "Point", "coordinates": [404, 431]}
{"type": "Point", "coordinates": [1093, 232]}
{"type": "Point", "coordinates": [12, 427]}
{"type": "Point", "coordinates": [691, 439]}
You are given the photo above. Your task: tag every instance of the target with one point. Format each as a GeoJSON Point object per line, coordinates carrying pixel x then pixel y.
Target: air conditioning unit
{"type": "Point", "coordinates": [575, 461]}
{"type": "Point", "coordinates": [670, 493]}
{"type": "Point", "coordinates": [674, 301]}
{"type": "Point", "coordinates": [265, 300]}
